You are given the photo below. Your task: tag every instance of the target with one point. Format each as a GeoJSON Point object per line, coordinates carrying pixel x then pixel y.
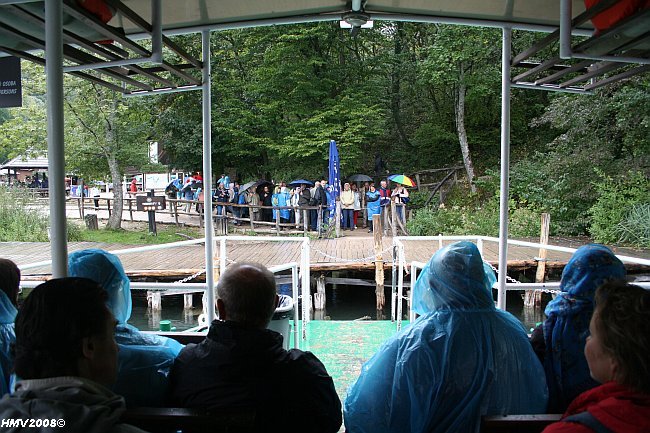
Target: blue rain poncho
{"type": "Point", "coordinates": [372, 201]}
{"type": "Point", "coordinates": [567, 325]}
{"type": "Point", "coordinates": [144, 360]}
{"type": "Point", "coordinates": [7, 338]}
{"type": "Point", "coordinates": [460, 360]}
{"type": "Point", "coordinates": [281, 199]}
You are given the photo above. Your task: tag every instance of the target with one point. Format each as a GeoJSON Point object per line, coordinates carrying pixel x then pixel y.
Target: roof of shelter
{"type": "Point", "coordinates": [26, 163]}
{"type": "Point", "coordinates": [109, 35]}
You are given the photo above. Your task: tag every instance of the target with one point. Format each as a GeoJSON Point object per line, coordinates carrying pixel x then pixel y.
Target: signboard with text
{"type": "Point", "coordinates": [145, 203]}
{"type": "Point", "coordinates": [11, 94]}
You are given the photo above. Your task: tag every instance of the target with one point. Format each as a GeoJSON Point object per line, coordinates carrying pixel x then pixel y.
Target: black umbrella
{"type": "Point", "coordinates": [360, 178]}
{"type": "Point", "coordinates": [299, 182]}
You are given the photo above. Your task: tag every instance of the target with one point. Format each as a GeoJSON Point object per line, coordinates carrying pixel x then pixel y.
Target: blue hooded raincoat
{"type": "Point", "coordinates": [7, 337]}
{"type": "Point", "coordinates": [460, 360]}
{"type": "Point", "coordinates": [567, 325]}
{"type": "Point", "coordinates": [144, 360]}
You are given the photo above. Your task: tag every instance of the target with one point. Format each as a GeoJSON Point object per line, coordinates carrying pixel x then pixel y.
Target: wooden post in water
{"type": "Point", "coordinates": [379, 262]}
{"type": "Point", "coordinates": [533, 298]}
{"type": "Point", "coordinates": [154, 300]}
{"type": "Point", "coordinates": [187, 300]}
{"type": "Point", "coordinates": [319, 296]}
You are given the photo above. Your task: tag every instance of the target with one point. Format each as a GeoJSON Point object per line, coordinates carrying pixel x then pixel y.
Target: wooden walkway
{"type": "Point", "coordinates": [350, 252]}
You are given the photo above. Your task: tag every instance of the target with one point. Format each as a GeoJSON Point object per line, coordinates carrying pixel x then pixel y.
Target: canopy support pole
{"type": "Point", "coordinates": [55, 147]}
{"type": "Point", "coordinates": [505, 166]}
{"type": "Point", "coordinates": [207, 175]}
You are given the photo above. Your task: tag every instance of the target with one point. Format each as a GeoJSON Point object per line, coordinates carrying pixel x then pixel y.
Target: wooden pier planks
{"type": "Point", "coordinates": [326, 254]}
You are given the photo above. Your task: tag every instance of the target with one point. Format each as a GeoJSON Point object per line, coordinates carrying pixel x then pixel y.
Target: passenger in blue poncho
{"type": "Point", "coordinates": [9, 284]}
{"type": "Point", "coordinates": [460, 360]}
{"type": "Point", "coordinates": [144, 360]}
{"type": "Point", "coordinates": [567, 325]}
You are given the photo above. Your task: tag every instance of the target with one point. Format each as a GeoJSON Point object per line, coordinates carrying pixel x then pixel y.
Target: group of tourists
{"type": "Point", "coordinates": [460, 360]}
{"type": "Point", "coordinates": [264, 201]}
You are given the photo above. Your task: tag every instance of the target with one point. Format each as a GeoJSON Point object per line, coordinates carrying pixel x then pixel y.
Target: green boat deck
{"type": "Point", "coordinates": [343, 346]}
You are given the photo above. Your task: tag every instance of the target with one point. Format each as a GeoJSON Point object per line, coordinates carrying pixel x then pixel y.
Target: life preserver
{"type": "Point", "coordinates": [616, 13]}
{"type": "Point", "coordinates": [99, 8]}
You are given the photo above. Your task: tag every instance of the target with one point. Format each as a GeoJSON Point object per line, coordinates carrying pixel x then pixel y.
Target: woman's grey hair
{"type": "Point", "coordinates": [247, 291]}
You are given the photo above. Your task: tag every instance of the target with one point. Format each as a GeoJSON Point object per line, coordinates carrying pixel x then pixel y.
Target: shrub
{"type": "Point", "coordinates": [21, 219]}
{"type": "Point", "coordinates": [620, 203]}
{"type": "Point", "coordinates": [635, 227]}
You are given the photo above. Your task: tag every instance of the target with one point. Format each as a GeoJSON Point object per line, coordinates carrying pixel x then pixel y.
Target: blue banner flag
{"type": "Point", "coordinates": [334, 187]}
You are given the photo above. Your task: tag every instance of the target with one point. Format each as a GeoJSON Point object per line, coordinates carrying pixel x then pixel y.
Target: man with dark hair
{"type": "Point", "coordinates": [9, 287]}
{"type": "Point", "coordinates": [617, 353]}
{"type": "Point", "coordinates": [241, 365]}
{"type": "Point", "coordinates": [66, 356]}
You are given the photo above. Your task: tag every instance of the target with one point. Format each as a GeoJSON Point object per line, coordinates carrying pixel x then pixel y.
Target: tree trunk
{"type": "Point", "coordinates": [460, 128]}
{"type": "Point", "coordinates": [395, 102]}
{"type": "Point", "coordinates": [115, 219]}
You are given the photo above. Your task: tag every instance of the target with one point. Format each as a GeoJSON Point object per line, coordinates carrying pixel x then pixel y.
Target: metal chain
{"type": "Point", "coordinates": [512, 280]}
{"type": "Point", "coordinates": [508, 277]}
{"type": "Point", "coordinates": [191, 277]}
{"type": "Point", "coordinates": [361, 260]}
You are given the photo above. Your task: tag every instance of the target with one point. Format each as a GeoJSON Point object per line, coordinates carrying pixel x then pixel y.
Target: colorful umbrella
{"type": "Point", "coordinates": [401, 178]}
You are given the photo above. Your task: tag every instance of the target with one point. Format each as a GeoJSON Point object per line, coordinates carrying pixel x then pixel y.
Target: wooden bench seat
{"type": "Point", "coordinates": [164, 420]}
{"type": "Point", "coordinates": [517, 423]}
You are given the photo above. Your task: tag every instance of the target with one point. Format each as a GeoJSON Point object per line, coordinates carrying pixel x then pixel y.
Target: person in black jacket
{"type": "Point", "coordinates": [317, 199]}
{"type": "Point", "coordinates": [242, 367]}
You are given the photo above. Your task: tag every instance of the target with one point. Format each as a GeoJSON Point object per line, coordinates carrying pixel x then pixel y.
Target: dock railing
{"type": "Point", "coordinates": [399, 261]}
{"type": "Point", "coordinates": [300, 273]}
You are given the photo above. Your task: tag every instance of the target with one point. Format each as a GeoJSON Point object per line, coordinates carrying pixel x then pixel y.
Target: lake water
{"type": "Point", "coordinates": [343, 303]}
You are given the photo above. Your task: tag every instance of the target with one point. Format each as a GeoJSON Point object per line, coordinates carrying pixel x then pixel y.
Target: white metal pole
{"type": "Point", "coordinates": [55, 145]}
{"type": "Point", "coordinates": [296, 317]}
{"type": "Point", "coordinates": [565, 29]}
{"type": "Point", "coordinates": [413, 280]}
{"type": "Point", "coordinates": [207, 175]}
{"type": "Point", "coordinates": [400, 286]}
{"type": "Point", "coordinates": [505, 166]}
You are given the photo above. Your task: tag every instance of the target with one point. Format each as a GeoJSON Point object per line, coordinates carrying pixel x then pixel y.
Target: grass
{"type": "Point", "coordinates": [141, 236]}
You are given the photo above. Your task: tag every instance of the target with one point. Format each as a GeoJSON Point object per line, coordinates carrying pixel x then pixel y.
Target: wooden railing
{"type": "Point", "coordinates": [175, 207]}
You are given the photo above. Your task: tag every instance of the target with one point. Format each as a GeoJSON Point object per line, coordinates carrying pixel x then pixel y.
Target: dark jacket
{"type": "Point", "coordinates": [319, 197]}
{"type": "Point", "coordinates": [305, 196]}
{"type": "Point", "coordinates": [242, 368]}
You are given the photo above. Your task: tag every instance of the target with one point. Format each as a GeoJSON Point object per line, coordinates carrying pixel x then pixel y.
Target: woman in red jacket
{"type": "Point", "coordinates": [617, 354]}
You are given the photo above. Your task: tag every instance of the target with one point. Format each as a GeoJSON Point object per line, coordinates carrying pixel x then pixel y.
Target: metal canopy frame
{"type": "Point", "coordinates": [116, 63]}
{"type": "Point", "coordinates": [602, 59]}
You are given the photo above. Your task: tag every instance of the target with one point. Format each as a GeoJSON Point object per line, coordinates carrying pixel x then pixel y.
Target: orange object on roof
{"type": "Point", "coordinates": [616, 13]}
{"type": "Point", "coordinates": [99, 8]}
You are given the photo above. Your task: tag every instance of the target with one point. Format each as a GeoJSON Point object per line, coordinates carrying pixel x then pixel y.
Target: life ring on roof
{"type": "Point", "coordinates": [99, 8]}
{"type": "Point", "coordinates": [616, 13]}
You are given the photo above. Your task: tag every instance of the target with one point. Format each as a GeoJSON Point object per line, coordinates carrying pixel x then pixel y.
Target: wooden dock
{"type": "Point", "coordinates": [354, 252]}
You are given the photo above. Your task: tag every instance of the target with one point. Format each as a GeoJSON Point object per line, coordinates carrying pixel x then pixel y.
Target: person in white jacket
{"type": "Point", "coordinates": [65, 359]}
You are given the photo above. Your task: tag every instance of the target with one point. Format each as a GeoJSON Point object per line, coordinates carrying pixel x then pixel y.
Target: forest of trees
{"type": "Point", "coordinates": [422, 96]}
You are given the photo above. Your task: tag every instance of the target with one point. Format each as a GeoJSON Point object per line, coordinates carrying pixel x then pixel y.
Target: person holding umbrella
{"type": "Point", "coordinates": [400, 194]}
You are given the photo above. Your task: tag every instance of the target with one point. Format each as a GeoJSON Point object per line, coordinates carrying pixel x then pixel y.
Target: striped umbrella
{"type": "Point", "coordinates": [401, 178]}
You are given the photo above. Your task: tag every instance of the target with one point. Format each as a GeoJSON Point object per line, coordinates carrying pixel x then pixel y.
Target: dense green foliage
{"type": "Point", "coordinates": [21, 219]}
{"type": "Point", "coordinates": [621, 210]}
{"type": "Point", "coordinates": [280, 93]}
